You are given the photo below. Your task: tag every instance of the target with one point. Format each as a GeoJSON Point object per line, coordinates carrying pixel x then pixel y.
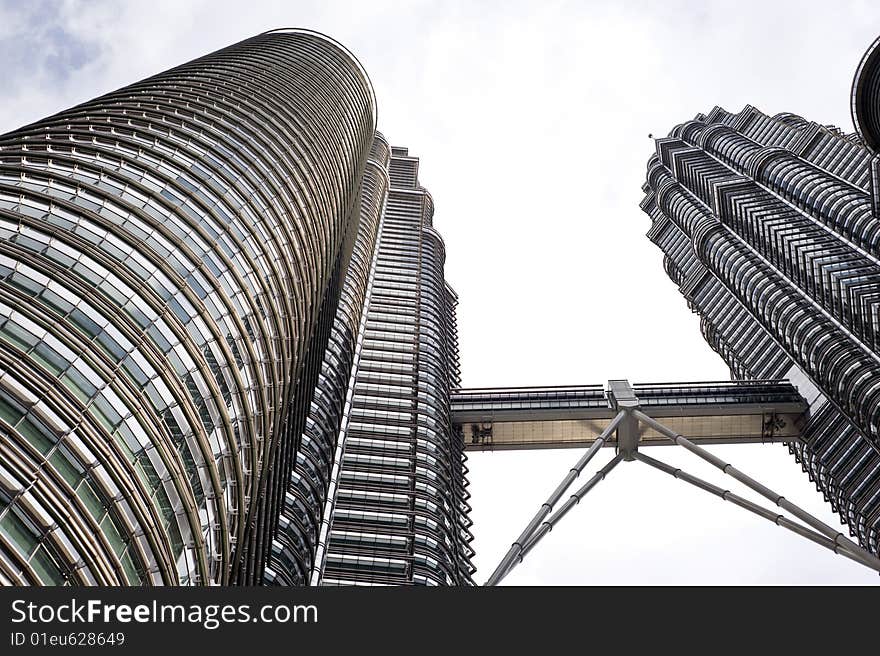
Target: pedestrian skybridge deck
{"type": "Point", "coordinates": [558, 417]}
{"type": "Point", "coordinates": [629, 417]}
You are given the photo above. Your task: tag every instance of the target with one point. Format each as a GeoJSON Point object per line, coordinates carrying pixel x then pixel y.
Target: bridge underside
{"type": "Point", "coordinates": [727, 412]}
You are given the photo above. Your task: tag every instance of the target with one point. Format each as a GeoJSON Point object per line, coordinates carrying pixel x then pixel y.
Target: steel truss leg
{"type": "Point", "coordinates": [515, 553]}
{"type": "Point", "coordinates": [823, 534]}
{"type": "Point", "coordinates": [777, 519]}
{"type": "Point", "coordinates": [573, 500]}
{"type": "Point", "coordinates": [843, 543]}
{"type": "Point", "coordinates": [554, 519]}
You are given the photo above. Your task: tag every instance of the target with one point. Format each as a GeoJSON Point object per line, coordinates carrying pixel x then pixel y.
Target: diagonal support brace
{"type": "Point", "coordinates": [554, 519]}
{"type": "Point", "coordinates": [514, 553]}
{"type": "Point", "coordinates": [573, 500]}
{"type": "Point", "coordinates": [727, 495]}
{"type": "Point", "coordinates": [844, 543]}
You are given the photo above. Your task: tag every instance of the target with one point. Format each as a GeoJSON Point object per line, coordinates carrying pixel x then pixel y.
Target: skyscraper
{"type": "Point", "coordinates": [377, 494]}
{"type": "Point", "coordinates": [770, 226]}
{"type": "Point", "coordinates": [227, 347]}
{"type": "Point", "coordinates": [226, 342]}
{"type": "Point", "coordinates": [303, 512]}
{"type": "Point", "coordinates": [170, 262]}
{"type": "Point", "coordinates": [400, 504]}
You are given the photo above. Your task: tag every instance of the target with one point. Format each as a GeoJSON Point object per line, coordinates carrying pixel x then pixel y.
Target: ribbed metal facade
{"type": "Point", "coordinates": [171, 260]}
{"type": "Point", "coordinates": [866, 97]}
{"type": "Point", "coordinates": [294, 548]}
{"type": "Point", "coordinates": [770, 228]}
{"type": "Point", "coordinates": [400, 504]}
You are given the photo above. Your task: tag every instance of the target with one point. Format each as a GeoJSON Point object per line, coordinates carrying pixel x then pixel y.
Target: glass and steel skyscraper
{"type": "Point", "coordinates": [303, 512]}
{"type": "Point", "coordinates": [400, 505]}
{"type": "Point", "coordinates": [170, 256]}
{"type": "Point", "coordinates": [226, 343]}
{"type": "Point", "coordinates": [770, 226]}
{"type": "Point", "coordinates": [378, 495]}
{"type": "Point", "coordinates": [228, 350]}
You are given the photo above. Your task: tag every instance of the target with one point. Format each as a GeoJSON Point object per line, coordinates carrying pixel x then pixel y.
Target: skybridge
{"type": "Point", "coordinates": [559, 417]}
{"type": "Point", "coordinates": [629, 417]}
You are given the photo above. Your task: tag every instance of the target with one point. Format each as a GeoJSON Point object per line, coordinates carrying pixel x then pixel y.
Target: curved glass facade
{"type": "Point", "coordinates": [770, 228]}
{"type": "Point", "coordinates": [866, 97]}
{"type": "Point", "coordinates": [171, 261]}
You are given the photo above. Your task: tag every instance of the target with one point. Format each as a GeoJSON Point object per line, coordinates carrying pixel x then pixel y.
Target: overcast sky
{"type": "Point", "coordinates": [531, 120]}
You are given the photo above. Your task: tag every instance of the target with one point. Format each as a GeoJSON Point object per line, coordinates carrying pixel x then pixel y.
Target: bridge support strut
{"type": "Point", "coordinates": [628, 416]}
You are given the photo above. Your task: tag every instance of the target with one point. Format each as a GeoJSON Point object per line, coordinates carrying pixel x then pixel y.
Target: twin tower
{"type": "Point", "coordinates": [212, 283]}
{"type": "Point", "coordinates": [770, 227]}
{"type": "Point", "coordinates": [227, 349]}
